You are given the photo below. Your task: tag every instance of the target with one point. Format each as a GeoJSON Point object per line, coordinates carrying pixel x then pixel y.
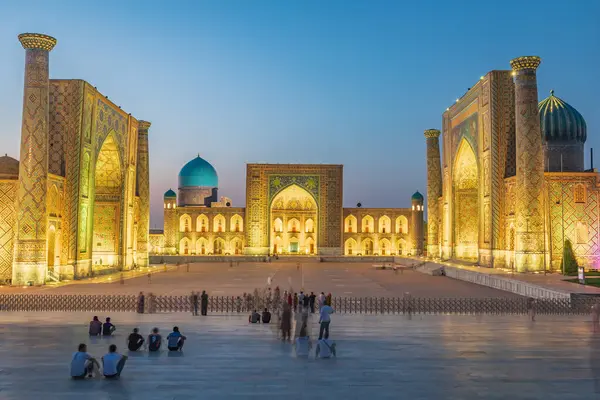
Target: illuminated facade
{"type": "Point", "coordinates": [290, 209]}
{"type": "Point", "coordinates": [510, 187]}
{"type": "Point", "coordinates": [78, 200]}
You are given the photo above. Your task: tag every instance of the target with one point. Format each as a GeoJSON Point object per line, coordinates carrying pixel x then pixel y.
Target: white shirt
{"type": "Point", "coordinates": [324, 313]}
{"type": "Point", "coordinates": [300, 298]}
{"type": "Point", "coordinates": [110, 362]}
{"type": "Point", "coordinates": [324, 346]}
{"type": "Point", "coordinates": [321, 300]}
{"type": "Point", "coordinates": [78, 363]}
{"type": "Point", "coordinates": [302, 346]}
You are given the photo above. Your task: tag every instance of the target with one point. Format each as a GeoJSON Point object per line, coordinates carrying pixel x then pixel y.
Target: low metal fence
{"type": "Point", "coordinates": [407, 305]}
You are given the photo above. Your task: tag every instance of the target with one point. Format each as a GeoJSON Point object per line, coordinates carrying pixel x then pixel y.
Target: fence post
{"type": "Point", "coordinates": [407, 300]}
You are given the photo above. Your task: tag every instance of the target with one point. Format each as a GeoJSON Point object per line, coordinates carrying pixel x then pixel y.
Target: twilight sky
{"type": "Point", "coordinates": [340, 81]}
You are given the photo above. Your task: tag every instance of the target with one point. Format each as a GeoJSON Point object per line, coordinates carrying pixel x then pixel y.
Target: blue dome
{"type": "Point", "coordinates": [561, 122]}
{"type": "Point", "coordinates": [170, 193]}
{"type": "Point", "coordinates": [417, 196]}
{"type": "Point", "coordinates": [198, 172]}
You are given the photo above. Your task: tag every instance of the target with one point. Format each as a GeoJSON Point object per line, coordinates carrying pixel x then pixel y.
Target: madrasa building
{"type": "Point", "coordinates": [76, 203]}
{"type": "Point", "coordinates": [293, 209]}
{"type": "Point", "coordinates": [510, 188]}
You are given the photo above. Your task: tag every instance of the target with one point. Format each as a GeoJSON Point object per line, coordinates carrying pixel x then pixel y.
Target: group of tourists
{"type": "Point", "coordinates": [84, 365]}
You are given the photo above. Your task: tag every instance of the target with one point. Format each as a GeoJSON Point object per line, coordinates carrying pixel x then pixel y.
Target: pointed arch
{"type": "Point", "coordinates": [401, 247]}
{"type": "Point", "coordinates": [402, 225]}
{"type": "Point", "coordinates": [236, 223]}
{"type": "Point", "coordinates": [466, 203]}
{"type": "Point", "coordinates": [367, 247]}
{"type": "Point", "coordinates": [202, 223]}
{"type": "Point", "coordinates": [236, 246]}
{"type": "Point", "coordinates": [202, 246]}
{"type": "Point", "coordinates": [367, 224]}
{"type": "Point", "coordinates": [385, 247]}
{"type": "Point", "coordinates": [278, 225]}
{"type": "Point", "coordinates": [351, 247]}
{"type": "Point", "coordinates": [185, 223]}
{"type": "Point", "coordinates": [293, 225]}
{"type": "Point", "coordinates": [218, 246]}
{"type": "Point", "coordinates": [385, 224]}
{"type": "Point", "coordinates": [184, 246]}
{"type": "Point", "coordinates": [309, 225]}
{"type": "Point", "coordinates": [219, 223]}
{"type": "Point", "coordinates": [350, 224]}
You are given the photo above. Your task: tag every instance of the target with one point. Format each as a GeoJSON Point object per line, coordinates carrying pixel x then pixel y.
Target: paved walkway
{"type": "Point", "coordinates": [380, 357]}
{"type": "Point", "coordinates": [219, 279]}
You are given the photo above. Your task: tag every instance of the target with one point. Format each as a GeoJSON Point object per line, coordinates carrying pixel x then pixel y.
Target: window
{"type": "Point", "coordinates": [579, 194]}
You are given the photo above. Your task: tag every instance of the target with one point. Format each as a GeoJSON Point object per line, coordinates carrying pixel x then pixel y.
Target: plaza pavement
{"type": "Point", "coordinates": [219, 279]}
{"type": "Point", "coordinates": [379, 357]}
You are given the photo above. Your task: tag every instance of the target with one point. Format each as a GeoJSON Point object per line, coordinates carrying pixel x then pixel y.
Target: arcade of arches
{"type": "Point", "coordinates": [370, 232]}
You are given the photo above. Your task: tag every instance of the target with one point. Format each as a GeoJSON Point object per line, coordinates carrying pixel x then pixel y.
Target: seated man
{"type": "Point", "coordinates": [95, 327]}
{"type": "Point", "coordinates": [135, 340]}
{"type": "Point", "coordinates": [113, 363]}
{"type": "Point", "coordinates": [108, 328]}
{"type": "Point", "coordinates": [302, 344]}
{"type": "Point", "coordinates": [82, 364]}
{"type": "Point", "coordinates": [254, 317]}
{"type": "Point", "coordinates": [154, 340]}
{"type": "Point", "coordinates": [175, 340]}
{"type": "Point", "coordinates": [266, 317]}
{"type": "Point", "coordinates": [325, 348]}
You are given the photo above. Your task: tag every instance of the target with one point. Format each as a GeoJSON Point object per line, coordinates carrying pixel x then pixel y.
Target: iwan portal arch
{"type": "Point", "coordinates": [466, 203]}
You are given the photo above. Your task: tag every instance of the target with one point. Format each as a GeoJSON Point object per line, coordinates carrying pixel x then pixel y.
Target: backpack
{"type": "Point", "coordinates": [154, 344]}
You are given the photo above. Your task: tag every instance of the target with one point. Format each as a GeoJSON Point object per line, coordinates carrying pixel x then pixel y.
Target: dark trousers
{"type": "Point", "coordinates": [120, 367]}
{"type": "Point", "coordinates": [324, 327]}
{"type": "Point", "coordinates": [204, 308]}
{"type": "Point", "coordinates": [312, 308]}
{"type": "Point", "coordinates": [195, 308]}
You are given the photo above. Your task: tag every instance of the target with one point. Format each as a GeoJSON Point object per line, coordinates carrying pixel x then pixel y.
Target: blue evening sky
{"type": "Point", "coordinates": [349, 82]}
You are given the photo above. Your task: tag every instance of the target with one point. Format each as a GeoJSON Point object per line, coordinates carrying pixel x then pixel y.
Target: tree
{"type": "Point", "coordinates": [570, 262]}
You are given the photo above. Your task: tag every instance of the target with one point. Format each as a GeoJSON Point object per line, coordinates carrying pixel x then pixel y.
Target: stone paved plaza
{"type": "Point", "coordinates": [379, 357]}
{"type": "Point", "coordinates": [340, 279]}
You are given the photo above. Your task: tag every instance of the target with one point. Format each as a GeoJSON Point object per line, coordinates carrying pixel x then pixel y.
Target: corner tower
{"type": "Point", "coordinates": [143, 191]}
{"type": "Point", "coordinates": [529, 208]}
{"type": "Point", "coordinates": [416, 224]}
{"type": "Point", "coordinates": [170, 221]}
{"type": "Point", "coordinates": [30, 259]}
{"type": "Point", "coordinates": [434, 191]}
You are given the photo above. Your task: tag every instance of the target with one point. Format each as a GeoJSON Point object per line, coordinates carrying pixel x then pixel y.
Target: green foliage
{"type": "Point", "coordinates": [569, 259]}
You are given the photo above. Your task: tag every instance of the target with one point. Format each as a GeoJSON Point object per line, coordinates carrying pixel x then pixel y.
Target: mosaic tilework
{"type": "Point", "coordinates": [8, 190]}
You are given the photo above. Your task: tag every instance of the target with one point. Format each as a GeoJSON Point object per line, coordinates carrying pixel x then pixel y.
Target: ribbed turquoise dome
{"type": "Point", "coordinates": [170, 193]}
{"type": "Point", "coordinates": [417, 196]}
{"type": "Point", "coordinates": [561, 122]}
{"type": "Point", "coordinates": [198, 172]}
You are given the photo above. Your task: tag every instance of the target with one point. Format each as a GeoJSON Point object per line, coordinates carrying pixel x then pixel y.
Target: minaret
{"type": "Point", "coordinates": [171, 225]}
{"type": "Point", "coordinates": [529, 210]}
{"type": "Point", "coordinates": [29, 262]}
{"type": "Point", "coordinates": [434, 191]}
{"type": "Point", "coordinates": [143, 191]}
{"type": "Point", "coordinates": [416, 224]}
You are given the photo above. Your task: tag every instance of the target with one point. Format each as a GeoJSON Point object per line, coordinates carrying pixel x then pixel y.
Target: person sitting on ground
{"type": "Point", "coordinates": [175, 340]}
{"type": "Point", "coordinates": [113, 363]}
{"type": "Point", "coordinates": [325, 348]}
{"type": "Point", "coordinates": [95, 327]}
{"type": "Point", "coordinates": [254, 317]}
{"type": "Point", "coordinates": [135, 340]}
{"type": "Point", "coordinates": [266, 316]}
{"type": "Point", "coordinates": [302, 344]}
{"type": "Point", "coordinates": [108, 328]}
{"type": "Point", "coordinates": [82, 363]}
{"type": "Point", "coordinates": [154, 340]}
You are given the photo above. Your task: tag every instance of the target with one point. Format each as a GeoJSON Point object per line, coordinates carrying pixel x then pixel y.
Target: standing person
{"type": "Point", "coordinates": [301, 300]}
{"type": "Point", "coordinates": [311, 302]}
{"type": "Point", "coordinates": [140, 304]}
{"type": "Point", "coordinates": [325, 320]}
{"type": "Point", "coordinates": [295, 302]}
{"type": "Point", "coordinates": [113, 363]}
{"type": "Point", "coordinates": [149, 277]}
{"type": "Point", "coordinates": [328, 299]}
{"type": "Point", "coordinates": [108, 328]}
{"type": "Point", "coordinates": [95, 327]}
{"type": "Point", "coordinates": [82, 363]}
{"type": "Point", "coordinates": [325, 348]}
{"type": "Point", "coordinates": [305, 303]}
{"type": "Point", "coordinates": [204, 303]}
{"type": "Point", "coordinates": [135, 340]}
{"type": "Point", "coordinates": [154, 340]}
{"type": "Point", "coordinates": [290, 300]}
{"type": "Point", "coordinates": [194, 303]}
{"type": "Point", "coordinates": [321, 300]}
{"type": "Point", "coordinates": [286, 322]}
{"type": "Point", "coordinates": [175, 340]}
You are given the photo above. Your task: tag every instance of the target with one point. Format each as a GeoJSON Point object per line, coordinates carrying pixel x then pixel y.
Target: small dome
{"type": "Point", "coordinates": [417, 196]}
{"type": "Point", "coordinates": [198, 172]}
{"type": "Point", "coordinates": [9, 167]}
{"type": "Point", "coordinates": [561, 122]}
{"type": "Point", "coordinates": [170, 193]}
